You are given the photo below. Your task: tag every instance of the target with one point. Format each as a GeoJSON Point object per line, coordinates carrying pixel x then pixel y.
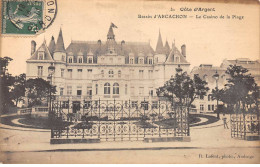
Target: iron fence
{"type": "Point", "coordinates": [245, 125]}
{"type": "Point", "coordinates": [115, 120]}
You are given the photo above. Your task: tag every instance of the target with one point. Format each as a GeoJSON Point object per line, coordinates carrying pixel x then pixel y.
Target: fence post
{"type": "Point", "coordinates": [98, 116]}
{"type": "Point", "coordinates": [114, 120]}
{"type": "Point", "coordinates": [159, 118]}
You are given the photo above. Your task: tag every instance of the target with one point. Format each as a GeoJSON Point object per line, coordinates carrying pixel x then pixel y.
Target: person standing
{"type": "Point", "coordinates": [225, 121]}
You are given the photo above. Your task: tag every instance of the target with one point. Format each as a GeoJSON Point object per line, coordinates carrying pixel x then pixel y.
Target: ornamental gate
{"type": "Point", "coordinates": [245, 126]}
{"type": "Point", "coordinates": [119, 120]}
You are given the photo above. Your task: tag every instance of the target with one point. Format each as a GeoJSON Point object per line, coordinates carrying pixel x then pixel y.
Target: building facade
{"type": "Point", "coordinates": [215, 77]}
{"type": "Point", "coordinates": [92, 70]}
{"type": "Point", "coordinates": [253, 66]}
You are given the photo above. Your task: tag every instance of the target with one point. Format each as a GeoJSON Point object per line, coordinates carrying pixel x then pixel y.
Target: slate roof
{"type": "Point", "coordinates": [174, 52]}
{"type": "Point", "coordinates": [52, 46]}
{"type": "Point", "coordinates": [44, 48]}
{"type": "Point", "coordinates": [97, 48]}
{"type": "Point", "coordinates": [60, 43]}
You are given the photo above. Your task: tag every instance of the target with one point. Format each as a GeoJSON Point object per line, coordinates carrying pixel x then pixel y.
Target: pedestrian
{"type": "Point", "coordinates": [225, 121]}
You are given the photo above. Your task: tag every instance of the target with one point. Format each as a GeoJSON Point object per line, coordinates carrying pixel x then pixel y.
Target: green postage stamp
{"type": "Point", "coordinates": [25, 17]}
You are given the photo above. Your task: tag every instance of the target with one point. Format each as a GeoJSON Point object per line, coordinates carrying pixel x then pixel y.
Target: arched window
{"type": "Point", "coordinates": [119, 73]}
{"type": "Point", "coordinates": [110, 73]}
{"type": "Point", "coordinates": [90, 60]}
{"type": "Point", "coordinates": [116, 88]}
{"type": "Point", "coordinates": [107, 88]}
{"type": "Point", "coordinates": [102, 73]}
{"type": "Point", "coordinates": [80, 60]}
{"type": "Point", "coordinates": [70, 60]}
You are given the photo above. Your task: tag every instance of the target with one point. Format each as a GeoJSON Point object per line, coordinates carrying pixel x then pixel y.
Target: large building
{"type": "Point", "coordinates": [106, 70]}
{"type": "Point", "coordinates": [215, 77]}
{"type": "Point", "coordinates": [253, 66]}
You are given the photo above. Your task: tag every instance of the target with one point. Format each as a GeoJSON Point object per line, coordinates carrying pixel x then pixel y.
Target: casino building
{"type": "Point", "coordinates": [106, 70]}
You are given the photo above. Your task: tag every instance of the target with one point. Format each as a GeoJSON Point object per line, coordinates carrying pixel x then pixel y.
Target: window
{"type": "Point", "coordinates": [62, 58]}
{"type": "Point", "coordinates": [79, 73]}
{"type": "Point", "coordinates": [208, 97]}
{"type": "Point", "coordinates": [90, 60]}
{"type": "Point", "coordinates": [126, 89]}
{"type": "Point", "coordinates": [201, 107]}
{"type": "Point", "coordinates": [132, 91]}
{"type": "Point", "coordinates": [212, 107]}
{"type": "Point", "coordinates": [150, 61]}
{"type": "Point", "coordinates": [144, 105]}
{"type": "Point", "coordinates": [141, 91]}
{"type": "Point", "coordinates": [79, 90]}
{"type": "Point", "coordinates": [134, 104]}
{"type": "Point", "coordinates": [40, 56]}
{"type": "Point", "coordinates": [141, 74]}
{"type": "Point", "coordinates": [61, 73]}
{"type": "Point", "coordinates": [80, 60]}
{"type": "Point", "coordinates": [102, 73]}
{"type": "Point", "coordinates": [141, 61]}
{"type": "Point", "coordinates": [61, 91]}
{"type": "Point", "coordinates": [201, 97]}
{"type": "Point", "coordinates": [70, 60]}
{"type": "Point", "coordinates": [131, 61]}
{"type": "Point", "coordinates": [107, 88]}
{"type": "Point", "coordinates": [89, 90]}
{"type": "Point", "coordinates": [110, 73]}
{"type": "Point", "coordinates": [96, 89]}
{"type": "Point", "coordinates": [70, 73]}
{"type": "Point", "coordinates": [116, 88]}
{"type": "Point", "coordinates": [209, 107]}
{"type": "Point", "coordinates": [89, 74]}
{"type": "Point", "coordinates": [69, 90]}
{"type": "Point", "coordinates": [150, 74]}
{"type": "Point", "coordinates": [119, 74]}
{"type": "Point", "coordinates": [40, 71]}
{"type": "Point", "coordinates": [150, 91]}
{"type": "Point", "coordinates": [154, 104]}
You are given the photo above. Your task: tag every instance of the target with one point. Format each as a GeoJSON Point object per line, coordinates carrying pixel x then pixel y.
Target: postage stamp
{"type": "Point", "coordinates": [23, 17]}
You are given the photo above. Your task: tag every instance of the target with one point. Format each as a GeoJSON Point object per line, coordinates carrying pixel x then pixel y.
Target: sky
{"type": "Point", "coordinates": [208, 41]}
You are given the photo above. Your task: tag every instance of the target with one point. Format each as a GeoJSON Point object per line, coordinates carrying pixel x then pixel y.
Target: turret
{"type": "Point", "coordinates": [59, 52]}
{"type": "Point", "coordinates": [159, 46]}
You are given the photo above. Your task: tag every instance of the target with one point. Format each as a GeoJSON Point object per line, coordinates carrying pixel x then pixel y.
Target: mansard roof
{"type": "Point", "coordinates": [44, 48]}
{"type": "Point", "coordinates": [101, 48]}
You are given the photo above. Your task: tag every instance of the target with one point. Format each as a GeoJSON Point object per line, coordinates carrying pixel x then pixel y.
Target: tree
{"type": "Point", "coordinates": [38, 90]}
{"type": "Point", "coordinates": [241, 90]}
{"type": "Point", "coordinates": [6, 81]}
{"type": "Point", "coordinates": [182, 89]}
{"type": "Point", "coordinates": [18, 88]}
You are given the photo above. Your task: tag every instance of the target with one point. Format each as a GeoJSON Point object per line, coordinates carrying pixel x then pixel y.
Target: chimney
{"type": "Point", "coordinates": [33, 47]}
{"type": "Point", "coordinates": [99, 42]}
{"type": "Point", "coordinates": [183, 50]}
{"type": "Point", "coordinates": [122, 44]}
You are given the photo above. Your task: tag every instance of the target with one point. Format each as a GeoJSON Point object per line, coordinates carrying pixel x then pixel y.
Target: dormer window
{"type": "Point", "coordinates": [131, 61]}
{"type": "Point", "coordinates": [70, 59]}
{"type": "Point", "coordinates": [141, 60]}
{"type": "Point", "coordinates": [90, 59]}
{"type": "Point", "coordinates": [41, 55]}
{"type": "Point", "coordinates": [177, 59]}
{"type": "Point", "coordinates": [150, 61]}
{"type": "Point", "coordinates": [80, 59]}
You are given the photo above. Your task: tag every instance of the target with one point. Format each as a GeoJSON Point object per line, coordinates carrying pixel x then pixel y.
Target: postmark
{"type": "Point", "coordinates": [27, 17]}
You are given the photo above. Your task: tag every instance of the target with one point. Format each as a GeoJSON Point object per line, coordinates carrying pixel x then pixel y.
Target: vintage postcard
{"type": "Point", "coordinates": [129, 82]}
